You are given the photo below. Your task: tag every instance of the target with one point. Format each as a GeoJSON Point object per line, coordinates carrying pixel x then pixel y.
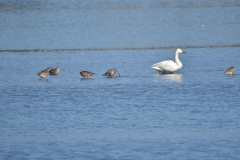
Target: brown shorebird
{"type": "Point", "coordinates": [230, 70]}
{"type": "Point", "coordinates": [55, 70]}
{"type": "Point", "coordinates": [43, 73]}
{"type": "Point", "coordinates": [86, 74]}
{"type": "Point", "coordinates": [111, 72]}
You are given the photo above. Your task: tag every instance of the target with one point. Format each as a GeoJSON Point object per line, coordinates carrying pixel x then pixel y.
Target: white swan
{"type": "Point", "coordinates": [169, 66]}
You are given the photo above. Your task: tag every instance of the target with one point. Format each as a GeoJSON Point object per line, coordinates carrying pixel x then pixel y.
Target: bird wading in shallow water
{"type": "Point", "coordinates": [111, 72]}
{"type": "Point", "coordinates": [230, 70]}
{"type": "Point", "coordinates": [55, 70]}
{"type": "Point", "coordinates": [86, 74]}
{"type": "Point", "coordinates": [43, 73]}
{"type": "Point", "coordinates": [169, 66]}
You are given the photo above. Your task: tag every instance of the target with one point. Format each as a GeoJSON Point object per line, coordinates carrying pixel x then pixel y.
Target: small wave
{"type": "Point", "coordinates": [109, 49]}
{"type": "Point", "coordinates": [29, 5]}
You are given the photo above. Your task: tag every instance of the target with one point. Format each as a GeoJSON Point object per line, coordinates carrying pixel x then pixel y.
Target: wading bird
{"type": "Point", "coordinates": [55, 70]}
{"type": "Point", "coordinates": [86, 74]}
{"type": "Point", "coordinates": [169, 66]}
{"type": "Point", "coordinates": [230, 70]}
{"type": "Point", "coordinates": [111, 72]}
{"type": "Point", "coordinates": [43, 73]}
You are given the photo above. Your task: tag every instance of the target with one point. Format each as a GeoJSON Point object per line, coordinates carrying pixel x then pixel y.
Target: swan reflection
{"type": "Point", "coordinates": [170, 77]}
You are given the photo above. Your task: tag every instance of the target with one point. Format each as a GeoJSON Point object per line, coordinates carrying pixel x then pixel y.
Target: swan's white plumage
{"type": "Point", "coordinates": [166, 66]}
{"type": "Point", "coordinates": [169, 66]}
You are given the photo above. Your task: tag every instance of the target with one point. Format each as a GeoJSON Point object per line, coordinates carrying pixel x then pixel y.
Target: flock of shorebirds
{"type": "Point", "coordinates": [164, 67]}
{"type": "Point", "coordinates": [85, 74]}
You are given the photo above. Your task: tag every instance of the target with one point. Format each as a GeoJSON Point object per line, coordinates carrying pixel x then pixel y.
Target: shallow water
{"type": "Point", "coordinates": [192, 114]}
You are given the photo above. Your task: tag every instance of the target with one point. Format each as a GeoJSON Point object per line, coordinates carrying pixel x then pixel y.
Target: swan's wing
{"type": "Point", "coordinates": [168, 66]}
{"type": "Point", "coordinates": [163, 62]}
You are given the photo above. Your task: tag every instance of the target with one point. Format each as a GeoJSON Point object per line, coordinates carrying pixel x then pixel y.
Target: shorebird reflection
{"type": "Point", "coordinates": [57, 75]}
{"type": "Point", "coordinates": [43, 79]}
{"type": "Point", "coordinates": [112, 78]}
{"type": "Point", "coordinates": [85, 79]}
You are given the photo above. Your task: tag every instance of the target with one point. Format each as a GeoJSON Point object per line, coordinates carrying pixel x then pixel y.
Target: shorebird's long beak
{"type": "Point", "coordinates": [118, 73]}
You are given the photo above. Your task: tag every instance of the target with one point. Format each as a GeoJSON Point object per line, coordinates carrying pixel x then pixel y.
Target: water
{"type": "Point", "coordinates": [192, 114]}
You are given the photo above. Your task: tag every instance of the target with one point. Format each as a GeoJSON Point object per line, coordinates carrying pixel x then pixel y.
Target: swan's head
{"type": "Point", "coordinates": [179, 50]}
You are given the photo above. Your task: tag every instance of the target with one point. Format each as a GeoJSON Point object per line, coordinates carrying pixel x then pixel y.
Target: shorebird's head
{"type": "Point", "coordinates": [60, 68]}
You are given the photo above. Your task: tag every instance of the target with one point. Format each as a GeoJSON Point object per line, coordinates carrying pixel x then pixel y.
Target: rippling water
{"type": "Point", "coordinates": [192, 114]}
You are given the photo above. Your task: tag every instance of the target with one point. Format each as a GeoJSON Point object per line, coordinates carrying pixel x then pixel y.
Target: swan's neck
{"type": "Point", "coordinates": [177, 60]}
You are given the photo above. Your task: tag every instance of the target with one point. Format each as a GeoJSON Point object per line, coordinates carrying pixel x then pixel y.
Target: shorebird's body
{"type": "Point", "coordinates": [55, 70]}
{"type": "Point", "coordinates": [111, 72]}
{"type": "Point", "coordinates": [86, 74]}
{"type": "Point", "coordinates": [169, 66]}
{"type": "Point", "coordinates": [230, 70]}
{"type": "Point", "coordinates": [43, 73]}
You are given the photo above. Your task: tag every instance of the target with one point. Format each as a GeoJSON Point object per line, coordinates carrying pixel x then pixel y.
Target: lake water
{"type": "Point", "coordinates": [192, 114]}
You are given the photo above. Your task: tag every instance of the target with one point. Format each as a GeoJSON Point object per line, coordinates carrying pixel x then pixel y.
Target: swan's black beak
{"type": "Point", "coordinates": [183, 52]}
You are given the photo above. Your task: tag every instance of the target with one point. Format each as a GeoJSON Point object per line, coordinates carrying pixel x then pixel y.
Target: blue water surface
{"type": "Point", "coordinates": [191, 114]}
